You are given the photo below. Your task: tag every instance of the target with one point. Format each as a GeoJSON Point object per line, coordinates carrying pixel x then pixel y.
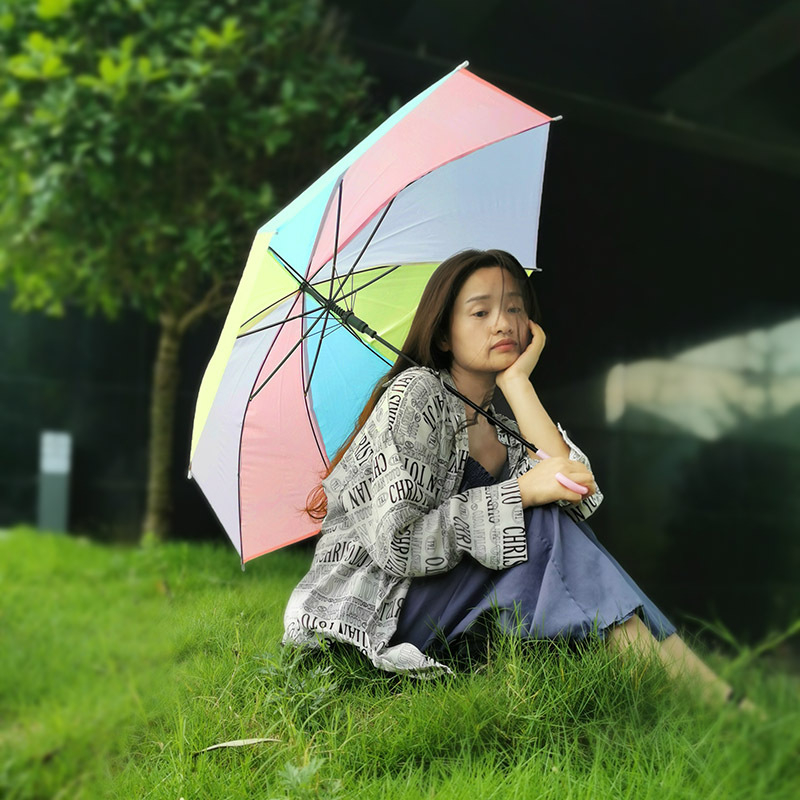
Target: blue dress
{"type": "Point", "coordinates": [569, 587]}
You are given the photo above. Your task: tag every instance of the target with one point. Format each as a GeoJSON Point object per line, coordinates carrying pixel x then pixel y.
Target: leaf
{"type": "Point", "coordinates": [180, 95]}
{"type": "Point", "coordinates": [106, 69]}
{"type": "Point", "coordinates": [50, 9]}
{"type": "Point", "coordinates": [231, 31]}
{"type": "Point", "coordinates": [21, 66]}
{"type": "Point", "coordinates": [126, 46]}
{"type": "Point", "coordinates": [91, 81]}
{"type": "Point", "coordinates": [105, 155]}
{"type": "Point", "coordinates": [43, 115]}
{"type": "Point", "coordinates": [38, 43]}
{"type": "Point", "coordinates": [266, 196]}
{"type": "Point", "coordinates": [287, 89]}
{"type": "Point", "coordinates": [10, 99]}
{"type": "Point", "coordinates": [53, 67]}
{"type": "Point", "coordinates": [234, 743]}
{"type": "Point", "coordinates": [209, 37]}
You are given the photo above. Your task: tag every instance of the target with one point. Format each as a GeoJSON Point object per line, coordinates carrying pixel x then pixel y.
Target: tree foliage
{"type": "Point", "coordinates": [142, 142]}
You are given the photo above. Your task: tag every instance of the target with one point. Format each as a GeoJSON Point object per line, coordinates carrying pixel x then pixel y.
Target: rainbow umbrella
{"type": "Point", "coordinates": [459, 166]}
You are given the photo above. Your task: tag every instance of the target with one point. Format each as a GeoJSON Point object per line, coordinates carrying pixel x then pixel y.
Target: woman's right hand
{"type": "Point", "coordinates": [539, 485]}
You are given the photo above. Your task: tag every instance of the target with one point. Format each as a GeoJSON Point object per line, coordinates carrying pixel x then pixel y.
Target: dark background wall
{"type": "Point", "coordinates": [91, 378]}
{"type": "Point", "coordinates": [652, 244]}
{"type": "Point", "coordinates": [648, 252]}
{"type": "Point", "coordinates": [87, 377]}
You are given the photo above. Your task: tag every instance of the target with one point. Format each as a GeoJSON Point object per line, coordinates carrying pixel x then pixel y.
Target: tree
{"type": "Point", "coordinates": [142, 143]}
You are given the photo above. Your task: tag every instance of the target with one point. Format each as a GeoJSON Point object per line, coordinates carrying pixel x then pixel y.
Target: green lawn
{"type": "Point", "coordinates": [118, 666]}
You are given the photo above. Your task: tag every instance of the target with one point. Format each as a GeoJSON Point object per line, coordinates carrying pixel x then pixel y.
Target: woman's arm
{"type": "Point", "coordinates": [540, 485]}
{"type": "Point", "coordinates": [532, 418]}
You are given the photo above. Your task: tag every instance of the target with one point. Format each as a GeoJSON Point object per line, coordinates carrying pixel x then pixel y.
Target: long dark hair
{"type": "Point", "coordinates": [429, 328]}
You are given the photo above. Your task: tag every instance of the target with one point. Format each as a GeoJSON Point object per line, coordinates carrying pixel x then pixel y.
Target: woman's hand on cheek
{"type": "Point", "coordinates": [528, 358]}
{"type": "Point", "coordinates": [539, 485]}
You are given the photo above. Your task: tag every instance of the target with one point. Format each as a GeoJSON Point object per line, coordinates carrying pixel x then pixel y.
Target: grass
{"type": "Point", "coordinates": [119, 667]}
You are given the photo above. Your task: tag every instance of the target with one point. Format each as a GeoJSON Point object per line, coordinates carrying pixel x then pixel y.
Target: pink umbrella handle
{"type": "Point", "coordinates": [570, 484]}
{"type": "Point", "coordinates": [566, 482]}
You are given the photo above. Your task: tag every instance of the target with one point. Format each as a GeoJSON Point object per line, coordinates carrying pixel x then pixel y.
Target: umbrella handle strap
{"type": "Point", "coordinates": [452, 389]}
{"type": "Point", "coordinates": [496, 422]}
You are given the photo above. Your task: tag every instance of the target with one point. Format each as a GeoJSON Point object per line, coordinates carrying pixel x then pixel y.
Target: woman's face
{"type": "Point", "coordinates": [489, 324]}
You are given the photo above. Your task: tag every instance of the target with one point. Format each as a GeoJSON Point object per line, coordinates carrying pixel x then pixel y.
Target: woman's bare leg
{"type": "Point", "coordinates": [678, 660]}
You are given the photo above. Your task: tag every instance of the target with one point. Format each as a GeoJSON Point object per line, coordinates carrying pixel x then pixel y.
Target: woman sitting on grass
{"type": "Point", "coordinates": [436, 524]}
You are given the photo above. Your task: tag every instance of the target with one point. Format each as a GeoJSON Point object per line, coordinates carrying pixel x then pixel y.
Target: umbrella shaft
{"type": "Point", "coordinates": [347, 317]}
{"type": "Point", "coordinates": [496, 422]}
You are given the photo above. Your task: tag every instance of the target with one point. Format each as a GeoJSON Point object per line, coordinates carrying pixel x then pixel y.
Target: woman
{"type": "Point", "coordinates": [435, 519]}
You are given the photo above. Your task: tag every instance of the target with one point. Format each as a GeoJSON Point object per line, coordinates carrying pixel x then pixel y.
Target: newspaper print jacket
{"type": "Point", "coordinates": [395, 513]}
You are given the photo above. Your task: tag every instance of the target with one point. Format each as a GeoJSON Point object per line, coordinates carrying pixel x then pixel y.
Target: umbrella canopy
{"type": "Point", "coordinates": [459, 166]}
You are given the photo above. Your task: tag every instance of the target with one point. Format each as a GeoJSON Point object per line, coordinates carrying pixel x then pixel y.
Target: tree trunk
{"type": "Point", "coordinates": [162, 416]}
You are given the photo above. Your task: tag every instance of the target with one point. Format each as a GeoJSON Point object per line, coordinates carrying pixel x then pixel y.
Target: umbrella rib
{"type": "Point", "coordinates": [331, 329]}
{"type": "Point", "coordinates": [312, 311]}
{"type": "Point", "coordinates": [307, 384]}
{"type": "Point", "coordinates": [295, 273]}
{"type": "Point", "coordinates": [369, 283]}
{"type": "Point", "coordinates": [364, 250]}
{"type": "Point", "coordinates": [374, 268]}
{"type": "Point", "coordinates": [299, 278]}
{"type": "Point", "coordinates": [284, 359]}
{"type": "Point", "coordinates": [320, 445]}
{"type": "Point", "coordinates": [291, 319]}
{"type": "Point", "coordinates": [364, 344]}
{"type": "Point", "coordinates": [336, 242]}
{"type": "Point", "coordinates": [267, 308]}
{"type": "Point", "coordinates": [280, 322]}
{"type": "Point", "coordinates": [305, 283]}
{"type": "Point", "coordinates": [323, 334]}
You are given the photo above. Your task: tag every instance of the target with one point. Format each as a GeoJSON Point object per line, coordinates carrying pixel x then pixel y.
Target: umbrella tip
{"type": "Point", "coordinates": [463, 64]}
